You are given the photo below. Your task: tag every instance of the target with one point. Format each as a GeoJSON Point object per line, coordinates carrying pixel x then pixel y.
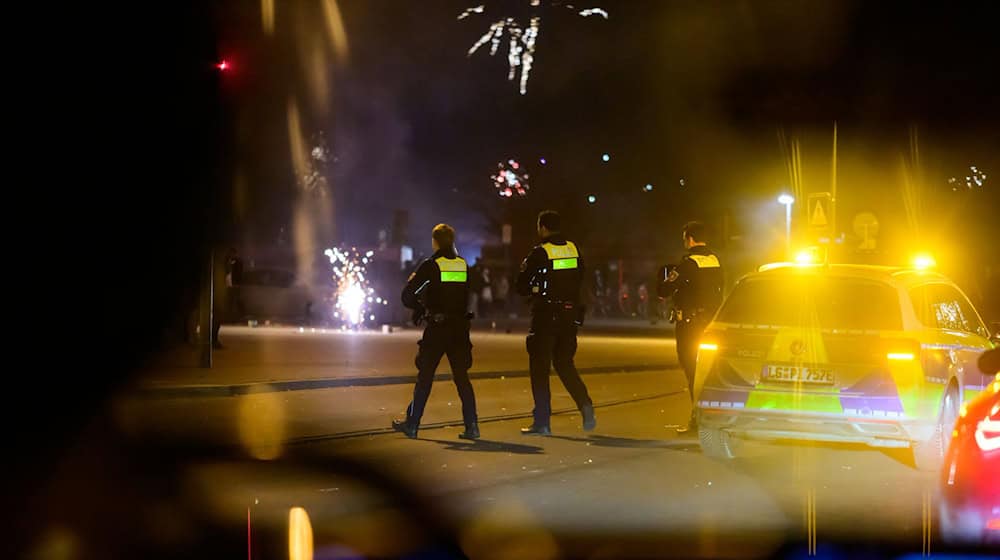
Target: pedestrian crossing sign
{"type": "Point", "coordinates": [819, 213]}
{"type": "Point", "coordinates": [819, 207]}
{"type": "Point", "coordinates": [818, 218]}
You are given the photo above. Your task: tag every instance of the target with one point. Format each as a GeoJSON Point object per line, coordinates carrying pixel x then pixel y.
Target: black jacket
{"type": "Point", "coordinates": [426, 290]}
{"type": "Point", "coordinates": [545, 281]}
{"type": "Point", "coordinates": [698, 287]}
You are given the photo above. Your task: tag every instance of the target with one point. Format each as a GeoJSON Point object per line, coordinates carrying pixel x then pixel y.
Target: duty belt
{"type": "Point", "coordinates": [563, 310]}
{"type": "Point", "coordinates": [438, 318]}
{"type": "Point", "coordinates": [679, 315]}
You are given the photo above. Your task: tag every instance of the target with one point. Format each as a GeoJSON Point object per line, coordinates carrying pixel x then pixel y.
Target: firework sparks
{"type": "Point", "coordinates": [313, 177]}
{"type": "Point", "coordinates": [476, 10]}
{"type": "Point", "coordinates": [355, 298]}
{"type": "Point", "coordinates": [975, 178]}
{"type": "Point", "coordinates": [521, 38]}
{"type": "Point", "coordinates": [510, 179]}
{"type": "Point", "coordinates": [594, 11]}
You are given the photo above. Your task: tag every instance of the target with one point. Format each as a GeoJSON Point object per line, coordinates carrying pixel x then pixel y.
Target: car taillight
{"type": "Point", "coordinates": [988, 430]}
{"type": "Point", "coordinates": [904, 350]}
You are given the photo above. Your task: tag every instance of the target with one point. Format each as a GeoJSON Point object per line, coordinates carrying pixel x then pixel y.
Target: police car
{"type": "Point", "coordinates": [839, 353]}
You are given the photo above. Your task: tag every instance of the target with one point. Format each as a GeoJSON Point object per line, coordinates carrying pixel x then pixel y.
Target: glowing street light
{"type": "Point", "coordinates": [788, 200]}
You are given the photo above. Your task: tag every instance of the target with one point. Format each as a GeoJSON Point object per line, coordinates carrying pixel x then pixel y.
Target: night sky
{"type": "Point", "coordinates": [672, 90]}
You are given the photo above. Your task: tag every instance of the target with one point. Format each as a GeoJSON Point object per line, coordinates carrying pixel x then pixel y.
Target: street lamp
{"type": "Point", "coordinates": [787, 200]}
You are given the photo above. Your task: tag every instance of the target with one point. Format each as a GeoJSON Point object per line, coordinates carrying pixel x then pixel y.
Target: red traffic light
{"type": "Point", "coordinates": [224, 65]}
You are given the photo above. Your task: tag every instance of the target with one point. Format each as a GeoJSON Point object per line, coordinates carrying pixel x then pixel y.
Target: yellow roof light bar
{"type": "Point", "coordinates": [923, 261]}
{"type": "Point", "coordinates": [770, 266]}
{"type": "Point", "coordinates": [806, 256]}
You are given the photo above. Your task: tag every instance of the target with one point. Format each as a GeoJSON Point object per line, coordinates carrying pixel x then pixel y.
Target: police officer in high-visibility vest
{"type": "Point", "coordinates": [551, 276]}
{"type": "Point", "coordinates": [696, 288]}
{"type": "Point", "coordinates": [438, 293]}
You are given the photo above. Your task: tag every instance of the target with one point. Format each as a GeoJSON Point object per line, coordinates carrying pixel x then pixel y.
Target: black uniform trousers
{"type": "Point", "coordinates": [450, 337]}
{"type": "Point", "coordinates": [552, 342]}
{"type": "Point", "coordinates": [688, 333]}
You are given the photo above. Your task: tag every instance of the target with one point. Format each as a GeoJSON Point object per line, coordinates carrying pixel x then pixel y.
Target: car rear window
{"type": "Point", "coordinates": [814, 301]}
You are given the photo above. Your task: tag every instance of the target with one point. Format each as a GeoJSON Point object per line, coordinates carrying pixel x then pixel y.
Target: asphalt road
{"type": "Point", "coordinates": [632, 486]}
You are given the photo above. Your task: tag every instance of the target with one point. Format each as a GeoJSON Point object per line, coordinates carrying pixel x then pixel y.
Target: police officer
{"type": "Point", "coordinates": [551, 276]}
{"type": "Point", "coordinates": [438, 293]}
{"type": "Point", "coordinates": [696, 288]}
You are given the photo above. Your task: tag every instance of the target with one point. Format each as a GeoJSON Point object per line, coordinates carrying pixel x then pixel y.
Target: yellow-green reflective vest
{"type": "Point", "coordinates": [452, 270]}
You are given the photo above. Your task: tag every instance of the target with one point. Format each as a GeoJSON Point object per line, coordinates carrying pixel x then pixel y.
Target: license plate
{"type": "Point", "coordinates": [799, 374]}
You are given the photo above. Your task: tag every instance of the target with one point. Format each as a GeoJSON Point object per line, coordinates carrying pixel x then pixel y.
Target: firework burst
{"type": "Point", "coordinates": [521, 37]}
{"type": "Point", "coordinates": [975, 178]}
{"type": "Point", "coordinates": [355, 300]}
{"type": "Point", "coordinates": [510, 179]}
{"type": "Point", "coordinates": [313, 170]}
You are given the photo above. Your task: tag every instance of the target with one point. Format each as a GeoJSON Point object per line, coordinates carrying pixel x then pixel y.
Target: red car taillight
{"type": "Point", "coordinates": [988, 430]}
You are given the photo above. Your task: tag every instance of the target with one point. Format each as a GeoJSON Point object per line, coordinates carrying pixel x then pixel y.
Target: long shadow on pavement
{"type": "Point", "coordinates": [612, 441]}
{"type": "Point", "coordinates": [488, 446]}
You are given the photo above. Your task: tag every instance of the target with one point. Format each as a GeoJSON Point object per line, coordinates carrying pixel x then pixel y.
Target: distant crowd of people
{"type": "Point", "coordinates": [489, 293]}
{"type": "Point", "coordinates": [627, 301]}
{"type": "Point", "coordinates": [490, 296]}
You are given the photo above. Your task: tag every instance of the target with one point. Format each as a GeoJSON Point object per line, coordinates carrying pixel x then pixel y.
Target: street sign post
{"type": "Point", "coordinates": [206, 318]}
{"type": "Point", "coordinates": [819, 215]}
{"type": "Point", "coordinates": [506, 235]}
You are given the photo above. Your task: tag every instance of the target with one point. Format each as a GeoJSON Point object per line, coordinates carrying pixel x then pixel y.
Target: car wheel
{"type": "Point", "coordinates": [718, 444]}
{"type": "Point", "coordinates": [929, 454]}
